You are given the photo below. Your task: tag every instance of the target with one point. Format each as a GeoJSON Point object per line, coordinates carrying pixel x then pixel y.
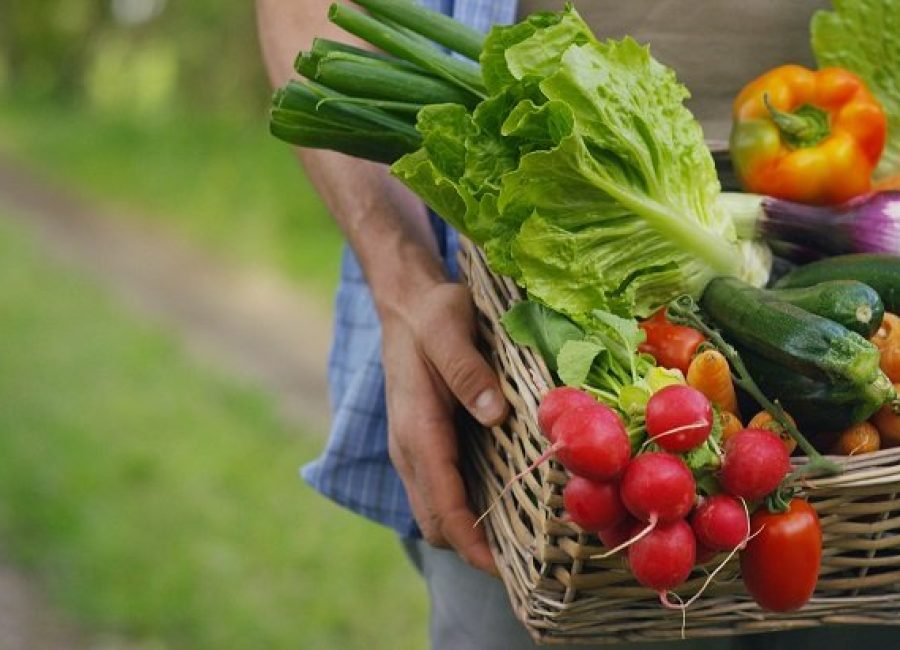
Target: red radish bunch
{"type": "Point", "coordinates": [587, 437]}
{"type": "Point", "coordinates": [649, 503]}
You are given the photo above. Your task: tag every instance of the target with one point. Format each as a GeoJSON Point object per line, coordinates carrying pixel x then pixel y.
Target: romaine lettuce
{"type": "Point", "coordinates": [582, 175]}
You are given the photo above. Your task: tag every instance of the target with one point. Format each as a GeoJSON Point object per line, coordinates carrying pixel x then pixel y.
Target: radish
{"type": "Point", "coordinates": [679, 418]}
{"type": "Point", "coordinates": [721, 523]}
{"type": "Point", "coordinates": [593, 505]}
{"type": "Point", "coordinates": [590, 442]}
{"type": "Point", "coordinates": [558, 401]}
{"type": "Point", "coordinates": [663, 559]}
{"type": "Point", "coordinates": [756, 461]}
{"type": "Point", "coordinates": [658, 487]}
{"type": "Point", "coordinates": [616, 535]}
{"type": "Point", "coordinates": [704, 553]}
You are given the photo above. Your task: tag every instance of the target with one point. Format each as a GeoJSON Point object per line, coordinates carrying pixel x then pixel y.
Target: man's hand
{"type": "Point", "coordinates": [427, 323]}
{"type": "Point", "coordinates": [430, 363]}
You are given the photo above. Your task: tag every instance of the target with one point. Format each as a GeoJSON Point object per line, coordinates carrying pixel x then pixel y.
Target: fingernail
{"type": "Point", "coordinates": [488, 406]}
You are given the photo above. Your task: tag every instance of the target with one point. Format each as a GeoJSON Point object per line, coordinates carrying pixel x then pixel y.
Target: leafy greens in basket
{"type": "Point", "coordinates": [580, 172]}
{"type": "Point", "coordinates": [582, 175]}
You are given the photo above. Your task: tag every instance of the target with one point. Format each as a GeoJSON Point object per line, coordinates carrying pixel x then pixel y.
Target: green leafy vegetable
{"type": "Point", "coordinates": [604, 360]}
{"type": "Point", "coordinates": [862, 36]}
{"type": "Point", "coordinates": [575, 360]}
{"type": "Point", "coordinates": [533, 325]}
{"type": "Point", "coordinates": [430, 24]}
{"type": "Point", "coordinates": [582, 175]}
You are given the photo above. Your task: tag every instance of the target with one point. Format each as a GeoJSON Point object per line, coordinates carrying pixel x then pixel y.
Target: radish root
{"type": "Point", "coordinates": [664, 599]}
{"type": "Point", "coordinates": [552, 449]}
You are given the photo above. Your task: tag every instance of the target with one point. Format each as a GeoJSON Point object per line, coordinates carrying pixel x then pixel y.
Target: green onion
{"type": "Point", "coordinates": [310, 115]}
{"type": "Point", "coordinates": [322, 47]}
{"type": "Point", "coordinates": [306, 64]}
{"type": "Point", "coordinates": [431, 24]}
{"type": "Point", "coordinates": [374, 116]}
{"type": "Point", "coordinates": [371, 145]}
{"type": "Point", "coordinates": [306, 98]}
{"type": "Point", "coordinates": [392, 106]}
{"type": "Point", "coordinates": [394, 42]}
{"type": "Point", "coordinates": [302, 99]}
{"type": "Point", "coordinates": [364, 77]}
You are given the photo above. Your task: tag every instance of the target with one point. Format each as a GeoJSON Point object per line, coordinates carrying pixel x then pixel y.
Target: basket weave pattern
{"type": "Point", "coordinates": [562, 595]}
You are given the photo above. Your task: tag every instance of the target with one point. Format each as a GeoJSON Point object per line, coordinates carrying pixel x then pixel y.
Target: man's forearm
{"type": "Point", "coordinates": [385, 224]}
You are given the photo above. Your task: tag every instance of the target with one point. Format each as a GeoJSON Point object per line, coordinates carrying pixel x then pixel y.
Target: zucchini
{"type": "Point", "coordinates": [790, 336]}
{"type": "Point", "coordinates": [852, 304]}
{"type": "Point", "coordinates": [818, 406]}
{"type": "Point", "coordinates": [881, 272]}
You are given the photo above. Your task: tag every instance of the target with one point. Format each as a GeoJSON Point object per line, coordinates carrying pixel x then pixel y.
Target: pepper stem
{"type": "Point", "coordinates": [807, 126]}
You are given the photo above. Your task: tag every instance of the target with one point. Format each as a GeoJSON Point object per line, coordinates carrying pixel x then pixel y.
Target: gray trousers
{"type": "Point", "coordinates": [470, 611]}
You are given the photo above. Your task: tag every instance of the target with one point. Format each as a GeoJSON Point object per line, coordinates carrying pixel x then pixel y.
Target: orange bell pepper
{"type": "Point", "coordinates": [807, 136]}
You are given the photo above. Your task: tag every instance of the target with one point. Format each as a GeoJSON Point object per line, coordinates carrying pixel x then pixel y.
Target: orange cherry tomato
{"type": "Point", "coordinates": [861, 438]}
{"type": "Point", "coordinates": [764, 420]}
{"type": "Point", "coordinates": [887, 421]}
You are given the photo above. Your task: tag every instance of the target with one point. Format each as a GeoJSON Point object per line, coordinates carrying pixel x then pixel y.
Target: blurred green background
{"type": "Point", "coordinates": [152, 497]}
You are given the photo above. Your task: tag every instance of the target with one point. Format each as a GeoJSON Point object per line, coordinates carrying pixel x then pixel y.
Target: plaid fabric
{"type": "Point", "coordinates": [355, 470]}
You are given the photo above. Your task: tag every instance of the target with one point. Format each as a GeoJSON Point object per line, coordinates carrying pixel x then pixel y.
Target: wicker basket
{"type": "Point", "coordinates": [561, 595]}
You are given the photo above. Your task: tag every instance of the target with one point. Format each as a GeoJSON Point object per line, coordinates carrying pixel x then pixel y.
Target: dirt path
{"type": "Point", "coordinates": [249, 324]}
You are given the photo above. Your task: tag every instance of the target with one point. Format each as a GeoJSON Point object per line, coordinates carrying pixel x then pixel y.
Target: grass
{"type": "Point", "coordinates": [157, 500]}
{"type": "Point", "coordinates": [225, 184]}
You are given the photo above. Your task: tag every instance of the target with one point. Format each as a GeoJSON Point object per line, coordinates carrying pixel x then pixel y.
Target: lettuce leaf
{"type": "Point", "coordinates": [862, 36]}
{"type": "Point", "coordinates": [582, 176]}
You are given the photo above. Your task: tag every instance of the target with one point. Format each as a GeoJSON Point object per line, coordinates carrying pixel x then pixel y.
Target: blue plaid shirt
{"type": "Point", "coordinates": [355, 470]}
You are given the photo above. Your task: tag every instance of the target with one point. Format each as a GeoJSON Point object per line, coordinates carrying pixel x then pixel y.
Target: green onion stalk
{"type": "Point", "coordinates": [364, 103]}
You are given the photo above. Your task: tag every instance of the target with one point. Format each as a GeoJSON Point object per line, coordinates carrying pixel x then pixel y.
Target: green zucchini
{"type": "Point", "coordinates": [818, 406]}
{"type": "Point", "coordinates": [790, 336]}
{"type": "Point", "coordinates": [852, 304]}
{"type": "Point", "coordinates": [881, 272]}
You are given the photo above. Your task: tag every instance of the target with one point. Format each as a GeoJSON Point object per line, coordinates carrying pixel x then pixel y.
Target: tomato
{"type": "Point", "coordinates": [764, 420]}
{"type": "Point", "coordinates": [887, 421]}
{"type": "Point", "coordinates": [887, 340]}
{"type": "Point", "coordinates": [673, 346]}
{"type": "Point", "coordinates": [780, 565]}
{"type": "Point", "coordinates": [860, 438]}
{"type": "Point", "coordinates": [888, 334]}
{"type": "Point", "coordinates": [890, 362]}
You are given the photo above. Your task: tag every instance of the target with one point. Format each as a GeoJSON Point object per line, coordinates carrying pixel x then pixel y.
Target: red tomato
{"type": "Point", "coordinates": [673, 346]}
{"type": "Point", "coordinates": [780, 566]}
